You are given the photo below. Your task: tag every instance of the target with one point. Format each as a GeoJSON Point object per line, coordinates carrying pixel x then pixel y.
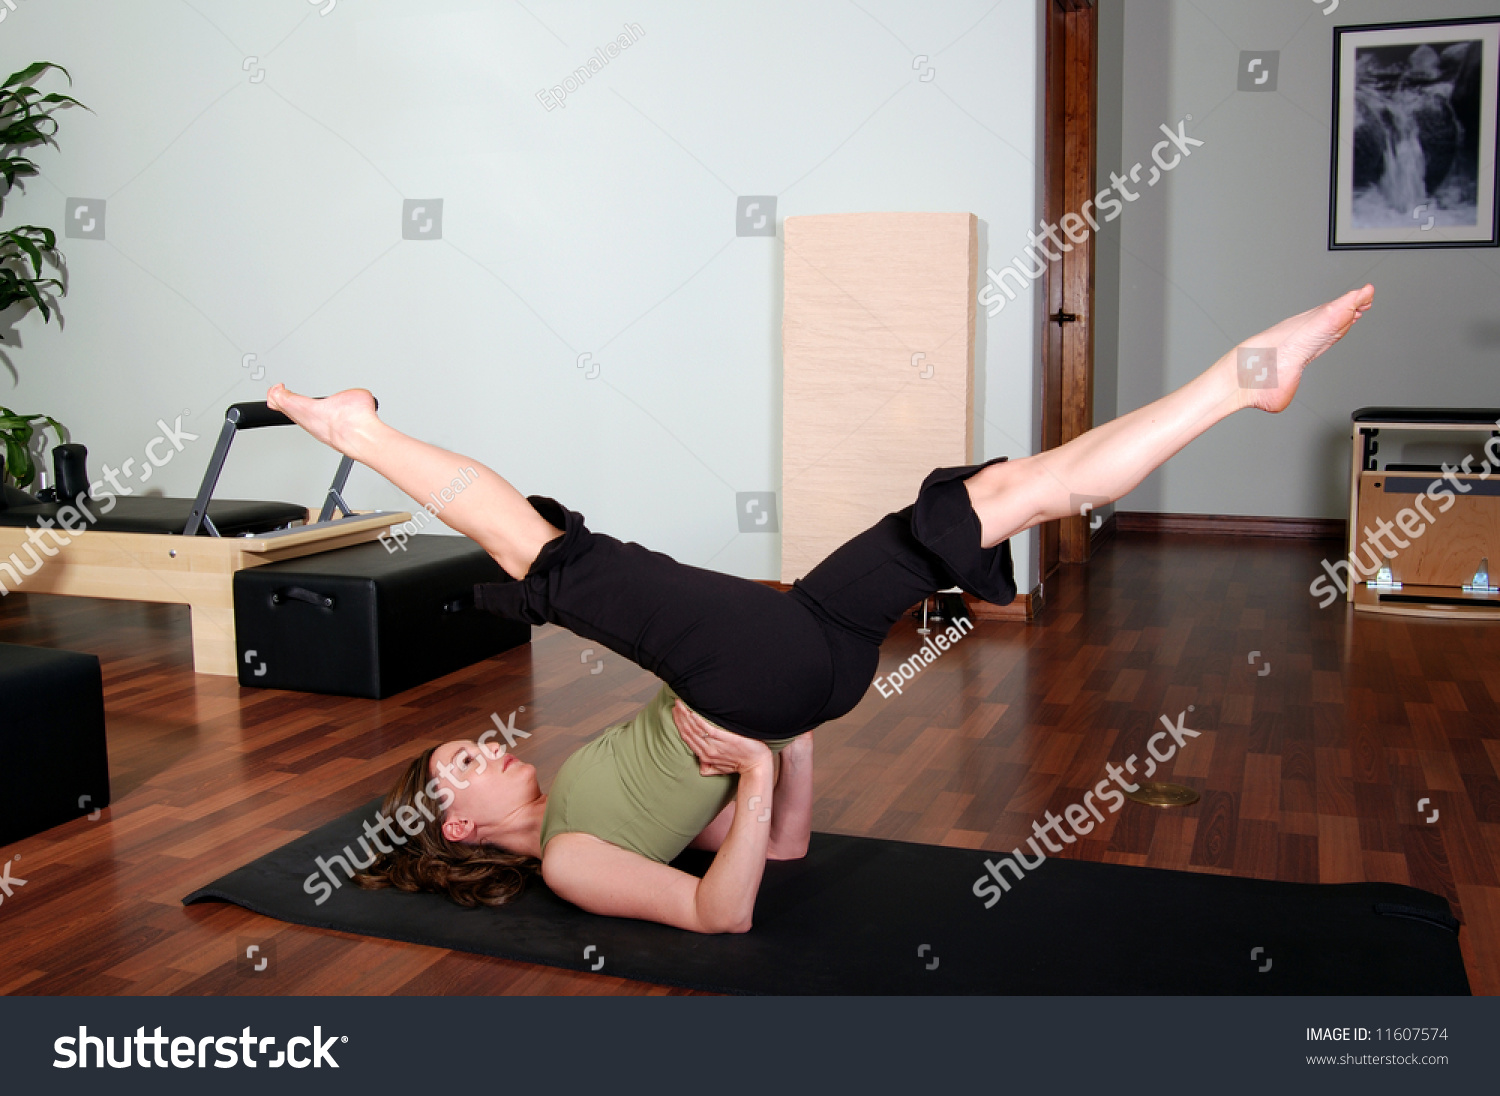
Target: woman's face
{"type": "Point", "coordinates": [489, 784]}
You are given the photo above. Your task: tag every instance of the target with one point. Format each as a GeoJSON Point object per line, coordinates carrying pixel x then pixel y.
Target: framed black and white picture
{"type": "Point", "coordinates": [1414, 114]}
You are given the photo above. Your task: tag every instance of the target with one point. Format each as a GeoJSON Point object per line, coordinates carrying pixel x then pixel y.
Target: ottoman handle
{"type": "Point", "coordinates": [298, 593]}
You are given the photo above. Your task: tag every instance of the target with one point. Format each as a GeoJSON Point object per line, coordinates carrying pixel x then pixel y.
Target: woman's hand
{"type": "Point", "coordinates": [718, 751]}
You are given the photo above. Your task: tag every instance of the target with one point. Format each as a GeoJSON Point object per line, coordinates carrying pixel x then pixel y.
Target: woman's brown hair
{"type": "Point", "coordinates": [471, 875]}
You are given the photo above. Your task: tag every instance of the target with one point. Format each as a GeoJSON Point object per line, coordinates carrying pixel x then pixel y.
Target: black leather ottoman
{"type": "Point", "coordinates": [54, 764]}
{"type": "Point", "coordinates": [365, 622]}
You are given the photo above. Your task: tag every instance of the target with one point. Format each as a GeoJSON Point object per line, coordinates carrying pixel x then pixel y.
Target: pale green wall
{"type": "Point", "coordinates": [264, 218]}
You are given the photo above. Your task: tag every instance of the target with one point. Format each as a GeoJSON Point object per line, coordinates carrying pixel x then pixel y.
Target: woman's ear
{"type": "Point", "coordinates": [458, 830]}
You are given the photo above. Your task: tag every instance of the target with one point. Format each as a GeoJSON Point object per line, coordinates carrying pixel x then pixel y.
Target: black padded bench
{"type": "Point", "coordinates": [232, 517]}
{"type": "Point", "coordinates": [54, 765]}
{"type": "Point", "coordinates": [1466, 416]}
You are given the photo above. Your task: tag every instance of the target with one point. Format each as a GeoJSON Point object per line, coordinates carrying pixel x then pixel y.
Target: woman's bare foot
{"type": "Point", "coordinates": [339, 421]}
{"type": "Point", "coordinates": [1269, 367]}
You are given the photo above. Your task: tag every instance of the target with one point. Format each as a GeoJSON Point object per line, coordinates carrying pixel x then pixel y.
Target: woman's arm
{"type": "Point", "coordinates": [791, 820]}
{"type": "Point", "coordinates": [713, 835]}
{"type": "Point", "coordinates": [606, 879]}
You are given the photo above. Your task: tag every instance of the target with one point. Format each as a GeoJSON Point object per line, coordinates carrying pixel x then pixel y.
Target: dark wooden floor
{"type": "Point", "coordinates": [1309, 773]}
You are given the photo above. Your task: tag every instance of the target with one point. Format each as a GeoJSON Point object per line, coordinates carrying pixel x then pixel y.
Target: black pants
{"type": "Point", "coordinates": [751, 659]}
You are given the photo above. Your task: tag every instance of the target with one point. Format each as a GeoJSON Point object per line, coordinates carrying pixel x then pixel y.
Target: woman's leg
{"type": "Point", "coordinates": [742, 655]}
{"type": "Point", "coordinates": [489, 510]}
{"type": "Point", "coordinates": [1109, 461]}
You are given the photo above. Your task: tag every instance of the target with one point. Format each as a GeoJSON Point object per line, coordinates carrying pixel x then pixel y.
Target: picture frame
{"type": "Point", "coordinates": [1414, 135]}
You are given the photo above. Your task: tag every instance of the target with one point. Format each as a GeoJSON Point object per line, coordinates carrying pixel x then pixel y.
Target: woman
{"type": "Point", "coordinates": [747, 669]}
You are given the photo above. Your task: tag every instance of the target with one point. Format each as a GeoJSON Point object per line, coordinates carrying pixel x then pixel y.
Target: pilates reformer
{"type": "Point", "coordinates": [1445, 574]}
{"type": "Point", "coordinates": [174, 551]}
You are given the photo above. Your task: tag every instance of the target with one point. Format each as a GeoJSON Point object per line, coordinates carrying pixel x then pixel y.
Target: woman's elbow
{"type": "Point", "coordinates": [717, 926]}
{"type": "Point", "coordinates": [787, 852]}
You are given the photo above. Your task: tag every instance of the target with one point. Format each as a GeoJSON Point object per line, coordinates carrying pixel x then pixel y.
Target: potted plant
{"type": "Point", "coordinates": [26, 121]}
{"type": "Point", "coordinates": [18, 432]}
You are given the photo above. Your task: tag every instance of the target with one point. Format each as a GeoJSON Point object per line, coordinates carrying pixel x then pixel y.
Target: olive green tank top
{"type": "Point", "coordinates": [637, 786]}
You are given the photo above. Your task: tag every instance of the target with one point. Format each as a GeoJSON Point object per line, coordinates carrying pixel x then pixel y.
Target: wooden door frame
{"type": "Point", "coordinates": [1072, 63]}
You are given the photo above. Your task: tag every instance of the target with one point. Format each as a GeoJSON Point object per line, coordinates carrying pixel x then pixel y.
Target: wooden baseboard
{"type": "Point", "coordinates": [1022, 610]}
{"type": "Point", "coordinates": [1107, 528]}
{"type": "Point", "coordinates": [1230, 525]}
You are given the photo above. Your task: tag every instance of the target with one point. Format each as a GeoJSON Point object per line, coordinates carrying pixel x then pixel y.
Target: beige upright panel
{"type": "Point", "coordinates": [878, 352]}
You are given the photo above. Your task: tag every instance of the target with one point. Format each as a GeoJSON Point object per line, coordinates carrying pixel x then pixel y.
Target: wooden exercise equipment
{"type": "Point", "coordinates": [878, 369]}
{"type": "Point", "coordinates": [187, 569]}
{"type": "Point", "coordinates": [193, 571]}
{"type": "Point", "coordinates": [1447, 551]}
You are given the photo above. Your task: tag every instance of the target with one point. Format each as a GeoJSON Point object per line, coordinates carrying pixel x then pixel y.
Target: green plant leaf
{"type": "Point", "coordinates": [18, 463]}
{"type": "Point", "coordinates": [32, 70]}
{"type": "Point", "coordinates": [35, 295]}
{"type": "Point", "coordinates": [24, 133]}
{"type": "Point", "coordinates": [36, 235]}
{"type": "Point", "coordinates": [12, 457]}
{"type": "Point", "coordinates": [31, 253]}
{"type": "Point", "coordinates": [17, 432]}
{"type": "Point", "coordinates": [26, 119]}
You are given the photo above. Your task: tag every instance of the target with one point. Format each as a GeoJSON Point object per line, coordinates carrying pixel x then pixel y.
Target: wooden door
{"type": "Point", "coordinates": [1068, 349]}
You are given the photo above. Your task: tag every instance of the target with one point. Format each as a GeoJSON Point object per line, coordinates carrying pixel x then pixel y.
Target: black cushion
{"type": "Point", "coordinates": [54, 764]}
{"type": "Point", "coordinates": [1479, 416]}
{"type": "Point", "coordinates": [144, 514]}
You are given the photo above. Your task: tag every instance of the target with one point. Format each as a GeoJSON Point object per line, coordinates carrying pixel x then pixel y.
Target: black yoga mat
{"type": "Point", "coordinates": [865, 916]}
